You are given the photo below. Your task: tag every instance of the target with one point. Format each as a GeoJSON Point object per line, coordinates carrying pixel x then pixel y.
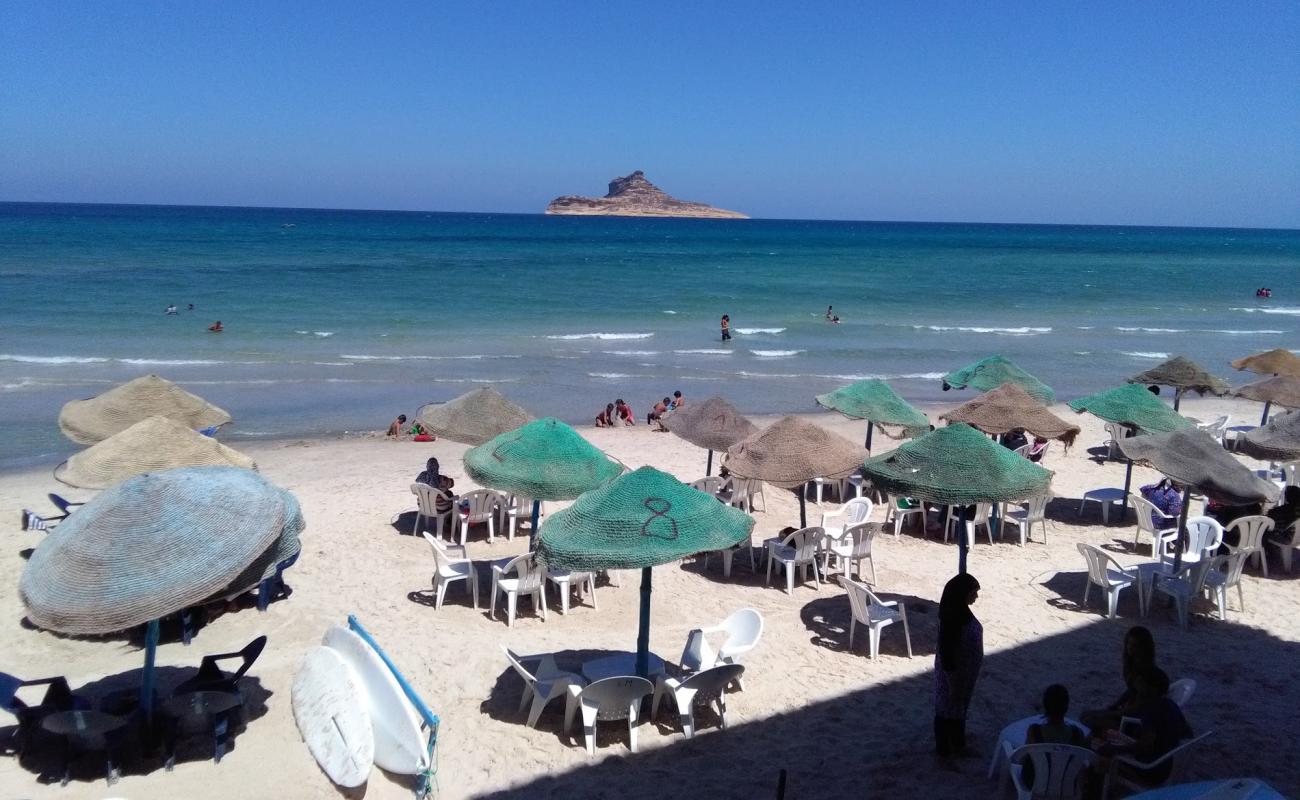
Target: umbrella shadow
{"type": "Point", "coordinates": [828, 618]}
{"type": "Point", "coordinates": [742, 574]}
{"type": "Point", "coordinates": [404, 522]}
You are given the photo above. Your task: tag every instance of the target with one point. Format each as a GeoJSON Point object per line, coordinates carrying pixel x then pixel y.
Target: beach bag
{"type": "Point", "coordinates": [424, 437]}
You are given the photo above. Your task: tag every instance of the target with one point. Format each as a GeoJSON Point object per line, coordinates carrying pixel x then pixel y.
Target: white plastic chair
{"type": "Point", "coordinates": [743, 629]}
{"type": "Point", "coordinates": [529, 581]}
{"type": "Point", "coordinates": [513, 510]}
{"type": "Point", "coordinates": [728, 555]}
{"type": "Point", "coordinates": [1146, 512]}
{"type": "Point", "coordinates": [1023, 450]}
{"type": "Point", "coordinates": [1034, 513]}
{"type": "Point", "coordinates": [1114, 433]}
{"type": "Point", "coordinates": [850, 550]}
{"type": "Point", "coordinates": [607, 700]}
{"type": "Point", "coordinates": [1287, 546]}
{"type": "Point", "coordinates": [1107, 573]}
{"type": "Point", "coordinates": [542, 684]}
{"type": "Point", "coordinates": [754, 488]}
{"type": "Point", "coordinates": [482, 504]}
{"type": "Point", "coordinates": [1217, 429]}
{"type": "Point", "coordinates": [451, 564]}
{"type": "Point", "coordinates": [870, 610]}
{"type": "Point", "coordinates": [1204, 537]}
{"type": "Point", "coordinates": [709, 485]}
{"type": "Point", "coordinates": [1060, 771]}
{"type": "Point", "coordinates": [1184, 590]}
{"type": "Point", "coordinates": [852, 485]}
{"type": "Point", "coordinates": [900, 508]}
{"type": "Point", "coordinates": [797, 552]}
{"type": "Point", "coordinates": [705, 688]}
{"type": "Point", "coordinates": [1250, 538]}
{"type": "Point", "coordinates": [817, 488]}
{"type": "Point", "coordinates": [566, 581]}
{"type": "Point", "coordinates": [1180, 758]}
{"type": "Point", "coordinates": [1181, 691]}
{"type": "Point", "coordinates": [1219, 580]}
{"type": "Point", "coordinates": [427, 499]}
{"type": "Point", "coordinates": [734, 492]}
{"type": "Point", "coordinates": [851, 513]}
{"type": "Point", "coordinates": [982, 511]}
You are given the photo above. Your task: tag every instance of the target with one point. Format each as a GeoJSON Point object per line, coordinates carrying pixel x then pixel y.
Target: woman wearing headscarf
{"type": "Point", "coordinates": [433, 477]}
{"type": "Point", "coordinates": [956, 663]}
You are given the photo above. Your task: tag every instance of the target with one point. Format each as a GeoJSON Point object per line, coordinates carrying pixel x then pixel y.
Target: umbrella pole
{"type": "Point", "coordinates": [532, 532]}
{"type": "Point", "coordinates": [1128, 481]}
{"type": "Point", "coordinates": [962, 536]}
{"type": "Point", "coordinates": [1182, 530]}
{"type": "Point", "coordinates": [803, 511]}
{"type": "Point", "coordinates": [146, 678]}
{"type": "Point", "coordinates": [1264, 419]}
{"type": "Point", "coordinates": [870, 426]}
{"type": "Point", "coordinates": [708, 465]}
{"type": "Point", "coordinates": [1178, 395]}
{"type": "Point", "coordinates": [643, 632]}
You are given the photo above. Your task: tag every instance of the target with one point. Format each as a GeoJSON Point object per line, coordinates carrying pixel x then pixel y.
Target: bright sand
{"type": "Point", "coordinates": [841, 724]}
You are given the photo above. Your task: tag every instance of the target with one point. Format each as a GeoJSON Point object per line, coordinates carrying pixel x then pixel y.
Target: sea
{"type": "Point", "coordinates": [337, 321]}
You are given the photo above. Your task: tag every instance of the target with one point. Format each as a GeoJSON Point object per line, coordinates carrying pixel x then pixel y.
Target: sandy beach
{"type": "Point", "coordinates": [841, 724]}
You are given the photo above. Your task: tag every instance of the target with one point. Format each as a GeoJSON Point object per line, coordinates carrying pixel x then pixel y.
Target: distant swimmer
{"type": "Point", "coordinates": [726, 328]}
{"type": "Point", "coordinates": [216, 327]}
{"type": "Point", "coordinates": [191, 308]}
{"type": "Point", "coordinates": [1264, 292]}
{"type": "Point", "coordinates": [171, 309]}
{"type": "Point", "coordinates": [836, 320]}
{"type": "Point", "coordinates": [830, 314]}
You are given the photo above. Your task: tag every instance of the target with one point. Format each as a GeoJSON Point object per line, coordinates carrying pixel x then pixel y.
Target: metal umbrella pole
{"type": "Point", "coordinates": [643, 631]}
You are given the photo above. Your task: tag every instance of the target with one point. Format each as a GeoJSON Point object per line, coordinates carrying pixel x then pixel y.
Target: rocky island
{"type": "Point", "coordinates": [634, 196]}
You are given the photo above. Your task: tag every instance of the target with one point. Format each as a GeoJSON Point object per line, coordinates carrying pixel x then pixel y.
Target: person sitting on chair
{"type": "Point", "coordinates": [1161, 728]}
{"type": "Point", "coordinates": [1056, 703]}
{"type": "Point", "coordinates": [433, 476]}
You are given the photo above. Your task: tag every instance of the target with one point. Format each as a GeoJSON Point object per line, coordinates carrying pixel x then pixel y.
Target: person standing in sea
{"type": "Point", "coordinates": [726, 328]}
{"type": "Point", "coordinates": [957, 662]}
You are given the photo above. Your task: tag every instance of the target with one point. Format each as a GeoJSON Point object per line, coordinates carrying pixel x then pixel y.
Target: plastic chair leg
{"type": "Point", "coordinates": [441, 592]}
{"type": "Point", "coordinates": [512, 599]}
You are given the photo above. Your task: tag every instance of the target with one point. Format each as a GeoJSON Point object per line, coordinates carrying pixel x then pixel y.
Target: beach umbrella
{"type": "Point", "coordinates": [1134, 406]}
{"type": "Point", "coordinates": [1009, 408]}
{"type": "Point", "coordinates": [792, 451]}
{"type": "Point", "coordinates": [1280, 390]}
{"type": "Point", "coordinates": [639, 520]}
{"type": "Point", "coordinates": [713, 424]}
{"type": "Point", "coordinates": [1278, 361]}
{"type": "Point", "coordinates": [1198, 461]}
{"type": "Point", "coordinates": [992, 372]}
{"type": "Point", "coordinates": [474, 417]}
{"type": "Point", "coordinates": [1182, 375]}
{"type": "Point", "coordinates": [94, 420]}
{"type": "Point", "coordinates": [154, 545]}
{"type": "Point", "coordinates": [1278, 440]}
{"type": "Point", "coordinates": [151, 445]}
{"type": "Point", "coordinates": [877, 403]}
{"type": "Point", "coordinates": [957, 466]}
{"type": "Point", "coordinates": [543, 460]}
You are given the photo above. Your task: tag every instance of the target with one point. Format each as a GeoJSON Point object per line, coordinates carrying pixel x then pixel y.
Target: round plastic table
{"type": "Point", "coordinates": [1231, 789]}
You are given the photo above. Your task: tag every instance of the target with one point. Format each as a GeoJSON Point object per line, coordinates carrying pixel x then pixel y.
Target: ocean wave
{"type": "Point", "coordinates": [669, 311]}
{"type": "Point", "coordinates": [1151, 330]}
{"type": "Point", "coordinates": [474, 380]}
{"type": "Point", "coordinates": [1281, 310]}
{"type": "Point", "coordinates": [1019, 331]}
{"type": "Point", "coordinates": [332, 364]}
{"type": "Point", "coordinates": [1238, 333]}
{"type": "Point", "coordinates": [321, 334]}
{"type": "Point", "coordinates": [929, 376]}
{"type": "Point", "coordinates": [178, 362]}
{"type": "Point", "coordinates": [1142, 354]}
{"type": "Point", "coordinates": [573, 336]}
{"type": "Point", "coordinates": [747, 374]}
{"type": "Point", "coordinates": [752, 331]}
{"type": "Point", "coordinates": [706, 351]}
{"type": "Point", "coordinates": [54, 359]}
{"type": "Point", "coordinates": [631, 352]}
{"type": "Point", "coordinates": [776, 353]}
{"type": "Point", "coordinates": [474, 357]}
{"type": "Point", "coordinates": [614, 375]}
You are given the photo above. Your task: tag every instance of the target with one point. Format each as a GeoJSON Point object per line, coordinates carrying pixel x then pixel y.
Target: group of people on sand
{"type": "Point", "coordinates": [619, 413]}
{"type": "Point", "coordinates": [398, 429]}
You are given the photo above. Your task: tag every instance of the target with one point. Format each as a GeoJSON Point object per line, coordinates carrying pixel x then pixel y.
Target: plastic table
{"type": "Point", "coordinates": [1231, 789]}
{"type": "Point", "coordinates": [620, 664]}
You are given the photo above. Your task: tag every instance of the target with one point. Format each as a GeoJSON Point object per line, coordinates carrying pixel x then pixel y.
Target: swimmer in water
{"type": "Point", "coordinates": [216, 327]}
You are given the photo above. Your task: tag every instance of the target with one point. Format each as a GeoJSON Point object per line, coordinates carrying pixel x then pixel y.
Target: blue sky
{"type": "Point", "coordinates": [1170, 113]}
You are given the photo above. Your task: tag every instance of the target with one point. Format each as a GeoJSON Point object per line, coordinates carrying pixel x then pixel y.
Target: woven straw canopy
{"type": "Point", "coordinates": [473, 418]}
{"type": "Point", "coordinates": [877, 402]}
{"type": "Point", "coordinates": [1279, 440]}
{"type": "Point", "coordinates": [94, 420]}
{"type": "Point", "coordinates": [1182, 374]}
{"type": "Point", "coordinates": [713, 424]}
{"type": "Point", "coordinates": [543, 460]}
{"type": "Point", "coordinates": [153, 545]}
{"type": "Point", "coordinates": [994, 371]}
{"type": "Point", "coordinates": [1281, 390]}
{"type": "Point", "coordinates": [641, 519]}
{"type": "Point", "coordinates": [1195, 458]}
{"type": "Point", "coordinates": [1131, 404]}
{"type": "Point", "coordinates": [791, 452]}
{"type": "Point", "coordinates": [957, 465]}
{"type": "Point", "coordinates": [1273, 362]}
{"type": "Point", "coordinates": [1009, 408]}
{"type": "Point", "coordinates": [151, 445]}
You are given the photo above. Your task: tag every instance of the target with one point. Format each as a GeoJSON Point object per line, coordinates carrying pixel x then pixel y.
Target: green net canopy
{"type": "Point", "coordinates": [1183, 374]}
{"type": "Point", "coordinates": [151, 445]}
{"type": "Point", "coordinates": [1132, 404]}
{"type": "Point", "coordinates": [1280, 390]}
{"type": "Point", "coordinates": [542, 460]}
{"type": "Point", "coordinates": [792, 451]}
{"type": "Point", "coordinates": [641, 519]}
{"type": "Point", "coordinates": [1279, 440]}
{"type": "Point", "coordinates": [1009, 408]}
{"type": "Point", "coordinates": [994, 371]}
{"type": "Point", "coordinates": [94, 420]}
{"type": "Point", "coordinates": [713, 424]}
{"type": "Point", "coordinates": [1278, 361]}
{"type": "Point", "coordinates": [474, 417]}
{"type": "Point", "coordinates": [957, 465]}
{"type": "Point", "coordinates": [877, 402]}
{"type": "Point", "coordinates": [1195, 458]}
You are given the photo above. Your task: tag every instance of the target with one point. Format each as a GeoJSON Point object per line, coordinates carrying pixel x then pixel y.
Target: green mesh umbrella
{"type": "Point", "coordinates": [877, 403]}
{"type": "Point", "coordinates": [639, 520]}
{"type": "Point", "coordinates": [1182, 375]}
{"type": "Point", "coordinates": [713, 424]}
{"type": "Point", "coordinates": [957, 465]}
{"type": "Point", "coordinates": [994, 371]}
{"type": "Point", "coordinates": [543, 460]}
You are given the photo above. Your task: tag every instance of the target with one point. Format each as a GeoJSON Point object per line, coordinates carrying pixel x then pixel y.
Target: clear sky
{"type": "Point", "coordinates": [1169, 113]}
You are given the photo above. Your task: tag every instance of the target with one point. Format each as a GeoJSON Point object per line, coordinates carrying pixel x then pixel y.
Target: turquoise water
{"type": "Point", "coordinates": [347, 318]}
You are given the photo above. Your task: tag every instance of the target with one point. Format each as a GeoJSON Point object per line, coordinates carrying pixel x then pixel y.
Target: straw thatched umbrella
{"type": "Point", "coordinates": [1182, 375]}
{"type": "Point", "coordinates": [992, 372]}
{"type": "Point", "coordinates": [1278, 361]}
{"type": "Point", "coordinates": [713, 424]}
{"type": "Point", "coordinates": [640, 520]}
{"type": "Point", "coordinates": [957, 466]}
{"type": "Point", "coordinates": [877, 403]}
{"type": "Point", "coordinates": [474, 417]}
{"type": "Point", "coordinates": [1280, 390]}
{"type": "Point", "coordinates": [94, 420]}
{"type": "Point", "coordinates": [151, 445]}
{"type": "Point", "coordinates": [1010, 408]}
{"type": "Point", "coordinates": [542, 460]}
{"type": "Point", "coordinates": [1278, 440]}
{"type": "Point", "coordinates": [1134, 406]}
{"type": "Point", "coordinates": [1198, 461]}
{"type": "Point", "coordinates": [791, 452]}
{"type": "Point", "coordinates": [153, 545]}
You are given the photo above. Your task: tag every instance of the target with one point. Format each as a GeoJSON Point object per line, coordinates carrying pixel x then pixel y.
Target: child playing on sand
{"type": "Point", "coordinates": [395, 429]}
{"type": "Point", "coordinates": [658, 411]}
{"type": "Point", "coordinates": [624, 412]}
{"type": "Point", "coordinates": [605, 419]}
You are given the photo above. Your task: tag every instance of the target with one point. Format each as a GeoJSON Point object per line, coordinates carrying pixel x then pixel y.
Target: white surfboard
{"type": "Point", "coordinates": [400, 746]}
{"type": "Point", "coordinates": [333, 718]}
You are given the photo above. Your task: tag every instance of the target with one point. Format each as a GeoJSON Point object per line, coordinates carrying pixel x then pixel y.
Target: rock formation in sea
{"type": "Point", "coordinates": [634, 196]}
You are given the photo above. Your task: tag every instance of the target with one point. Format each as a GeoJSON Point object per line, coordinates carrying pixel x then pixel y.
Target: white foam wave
{"type": "Point", "coordinates": [1280, 310]}
{"type": "Point", "coordinates": [573, 336]}
{"type": "Point", "coordinates": [1151, 330]}
{"type": "Point", "coordinates": [178, 362]}
{"type": "Point", "coordinates": [1143, 354]}
{"type": "Point", "coordinates": [1019, 331]}
{"type": "Point", "coordinates": [332, 363]}
{"type": "Point", "coordinates": [475, 380]}
{"type": "Point", "coordinates": [53, 359]}
{"type": "Point", "coordinates": [669, 311]}
{"type": "Point", "coordinates": [746, 374]}
{"type": "Point", "coordinates": [474, 357]}
{"type": "Point", "coordinates": [775, 353]}
{"type": "Point", "coordinates": [752, 331]}
{"type": "Point", "coordinates": [1239, 333]}
{"type": "Point", "coordinates": [316, 333]}
{"type": "Point", "coordinates": [706, 351]}
{"type": "Point", "coordinates": [631, 352]}
{"type": "Point", "coordinates": [613, 375]}
{"type": "Point", "coordinates": [929, 376]}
